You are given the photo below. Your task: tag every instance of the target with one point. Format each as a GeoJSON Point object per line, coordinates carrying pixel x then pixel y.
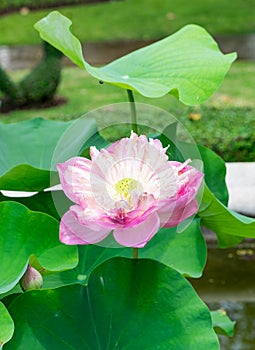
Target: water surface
{"type": "Point", "coordinates": [228, 283]}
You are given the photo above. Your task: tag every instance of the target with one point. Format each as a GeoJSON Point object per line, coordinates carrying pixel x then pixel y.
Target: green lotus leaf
{"type": "Point", "coordinates": [187, 64]}
{"type": "Point", "coordinates": [23, 233]}
{"type": "Point", "coordinates": [27, 149]}
{"type": "Point", "coordinates": [184, 251]}
{"type": "Point", "coordinates": [230, 227]}
{"type": "Point", "coordinates": [41, 202]}
{"type": "Point", "coordinates": [7, 325]}
{"type": "Point", "coordinates": [128, 304]}
{"type": "Point", "coordinates": [215, 173]}
{"type": "Point", "coordinates": [214, 167]}
{"type": "Point", "coordinates": [222, 323]}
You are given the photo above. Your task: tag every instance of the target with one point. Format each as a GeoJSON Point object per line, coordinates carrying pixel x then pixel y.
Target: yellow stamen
{"type": "Point", "coordinates": [125, 186]}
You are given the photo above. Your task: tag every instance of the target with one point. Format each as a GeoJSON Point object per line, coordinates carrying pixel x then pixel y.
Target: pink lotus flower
{"type": "Point", "coordinates": [130, 188]}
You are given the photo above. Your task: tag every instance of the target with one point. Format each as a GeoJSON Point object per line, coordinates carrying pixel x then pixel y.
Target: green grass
{"type": "Point", "coordinates": [238, 87]}
{"type": "Point", "coordinates": [136, 19]}
{"type": "Point", "coordinates": [227, 122]}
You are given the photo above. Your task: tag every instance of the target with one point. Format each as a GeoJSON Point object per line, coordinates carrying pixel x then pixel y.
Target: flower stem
{"type": "Point", "coordinates": [134, 128]}
{"type": "Point", "coordinates": [135, 253]}
{"type": "Point", "coordinates": [133, 110]}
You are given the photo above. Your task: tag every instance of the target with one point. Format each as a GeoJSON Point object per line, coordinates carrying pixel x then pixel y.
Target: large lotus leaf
{"type": "Point", "coordinates": [215, 173]}
{"type": "Point", "coordinates": [7, 326]}
{"type": "Point", "coordinates": [213, 165]}
{"type": "Point", "coordinates": [10, 295]}
{"type": "Point", "coordinates": [44, 202]}
{"type": "Point", "coordinates": [128, 304]}
{"type": "Point", "coordinates": [229, 226]}
{"type": "Point", "coordinates": [41, 202]}
{"type": "Point", "coordinates": [24, 233]}
{"type": "Point", "coordinates": [185, 252]}
{"type": "Point", "coordinates": [214, 168]}
{"type": "Point", "coordinates": [26, 152]}
{"type": "Point", "coordinates": [187, 64]}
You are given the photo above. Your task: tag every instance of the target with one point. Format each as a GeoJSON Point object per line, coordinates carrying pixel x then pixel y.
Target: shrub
{"type": "Point", "coordinates": [38, 86]}
{"type": "Point", "coordinates": [229, 132]}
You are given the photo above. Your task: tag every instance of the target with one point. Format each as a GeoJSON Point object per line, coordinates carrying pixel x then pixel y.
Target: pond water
{"type": "Point", "coordinates": [228, 283]}
{"type": "Point", "coordinates": [21, 57]}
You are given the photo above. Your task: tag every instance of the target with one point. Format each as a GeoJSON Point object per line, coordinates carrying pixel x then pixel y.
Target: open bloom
{"type": "Point", "coordinates": [130, 188]}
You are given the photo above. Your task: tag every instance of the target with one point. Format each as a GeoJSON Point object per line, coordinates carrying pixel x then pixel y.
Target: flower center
{"type": "Point", "coordinates": [125, 186]}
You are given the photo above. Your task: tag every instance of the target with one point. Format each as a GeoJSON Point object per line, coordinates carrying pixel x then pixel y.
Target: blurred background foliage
{"type": "Point", "coordinates": [122, 19]}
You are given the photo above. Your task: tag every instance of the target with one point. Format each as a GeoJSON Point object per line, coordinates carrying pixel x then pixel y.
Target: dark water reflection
{"type": "Point", "coordinates": [244, 315]}
{"type": "Point", "coordinates": [229, 283]}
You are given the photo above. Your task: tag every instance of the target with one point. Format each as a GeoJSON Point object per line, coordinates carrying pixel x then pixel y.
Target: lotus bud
{"type": "Point", "coordinates": [32, 279]}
